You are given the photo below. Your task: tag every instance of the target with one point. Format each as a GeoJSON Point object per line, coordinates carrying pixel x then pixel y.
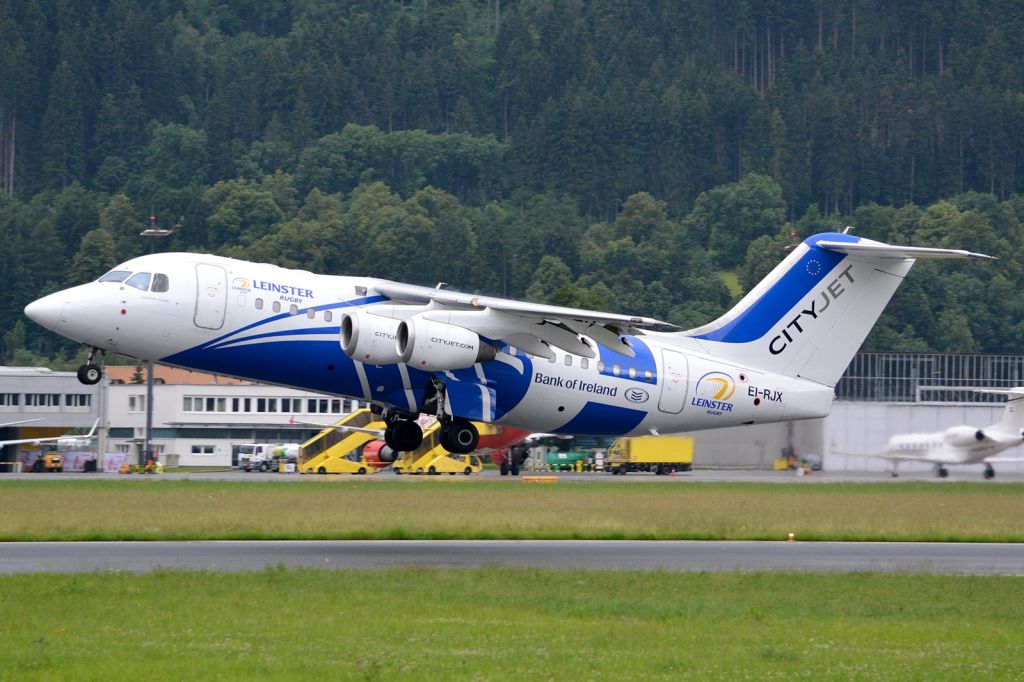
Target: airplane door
{"type": "Point", "coordinates": [673, 383]}
{"type": "Point", "coordinates": [211, 295]}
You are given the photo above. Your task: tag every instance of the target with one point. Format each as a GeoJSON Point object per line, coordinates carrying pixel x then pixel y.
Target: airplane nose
{"type": "Point", "coordinates": [46, 311]}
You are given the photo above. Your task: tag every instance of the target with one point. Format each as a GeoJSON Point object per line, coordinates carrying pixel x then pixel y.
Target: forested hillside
{"type": "Point", "coordinates": [620, 155]}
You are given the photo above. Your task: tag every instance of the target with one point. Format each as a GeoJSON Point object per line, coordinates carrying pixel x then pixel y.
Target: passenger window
{"type": "Point", "coordinates": [276, 307]}
{"type": "Point", "coordinates": [600, 366]}
{"type": "Point", "coordinates": [160, 283]}
{"type": "Point", "coordinates": [327, 318]}
{"type": "Point", "coordinates": [552, 358]}
{"type": "Point", "coordinates": [648, 375]}
{"type": "Point", "coordinates": [259, 304]}
{"type": "Point", "coordinates": [616, 369]}
{"type": "Point", "coordinates": [632, 372]}
{"type": "Point", "coordinates": [568, 361]}
{"type": "Point", "coordinates": [584, 363]}
{"type": "Point", "coordinates": [311, 313]}
{"type": "Point", "coordinates": [140, 280]}
{"type": "Point", "coordinates": [293, 309]}
{"type": "Point", "coordinates": [116, 276]}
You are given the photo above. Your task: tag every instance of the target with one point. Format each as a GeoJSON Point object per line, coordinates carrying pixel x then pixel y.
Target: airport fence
{"type": "Point", "coordinates": [929, 377]}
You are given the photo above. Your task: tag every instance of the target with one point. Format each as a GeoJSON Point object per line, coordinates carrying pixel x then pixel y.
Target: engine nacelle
{"type": "Point", "coordinates": [963, 436]}
{"type": "Point", "coordinates": [369, 338]}
{"type": "Point", "coordinates": [436, 346]}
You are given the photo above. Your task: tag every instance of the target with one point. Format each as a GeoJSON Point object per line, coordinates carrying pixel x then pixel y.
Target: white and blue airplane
{"type": "Point", "coordinates": [407, 350]}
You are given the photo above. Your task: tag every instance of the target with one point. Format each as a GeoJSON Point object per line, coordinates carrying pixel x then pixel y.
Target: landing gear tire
{"type": "Point", "coordinates": [90, 374]}
{"type": "Point", "coordinates": [460, 437]}
{"type": "Point", "coordinates": [403, 436]}
{"type": "Point", "coordinates": [990, 473]}
{"type": "Point", "coordinates": [942, 472]}
{"type": "Point", "coordinates": [504, 468]}
{"type": "Point", "coordinates": [514, 470]}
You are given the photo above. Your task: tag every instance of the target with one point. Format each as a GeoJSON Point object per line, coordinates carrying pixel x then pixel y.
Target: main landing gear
{"type": "Point", "coordinates": [990, 473]}
{"type": "Point", "coordinates": [459, 436]}
{"type": "Point", "coordinates": [942, 472]}
{"type": "Point", "coordinates": [90, 373]}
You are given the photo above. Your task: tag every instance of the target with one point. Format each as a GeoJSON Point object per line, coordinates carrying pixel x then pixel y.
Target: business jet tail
{"type": "Point", "coordinates": [810, 315]}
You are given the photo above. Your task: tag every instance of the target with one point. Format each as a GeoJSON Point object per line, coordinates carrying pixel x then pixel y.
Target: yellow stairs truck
{"type": "Point", "coordinates": [661, 454]}
{"type": "Point", "coordinates": [336, 450]}
{"type": "Point", "coordinates": [431, 457]}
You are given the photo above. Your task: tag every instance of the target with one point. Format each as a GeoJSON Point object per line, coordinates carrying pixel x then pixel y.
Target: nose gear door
{"type": "Point", "coordinates": [211, 295]}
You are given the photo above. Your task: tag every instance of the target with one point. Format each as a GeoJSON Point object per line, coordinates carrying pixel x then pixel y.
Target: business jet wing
{"type": "Point", "coordinates": [20, 421]}
{"type": "Point", "coordinates": [533, 327]}
{"type": "Point", "coordinates": [49, 439]}
{"type": "Point", "coordinates": [379, 433]}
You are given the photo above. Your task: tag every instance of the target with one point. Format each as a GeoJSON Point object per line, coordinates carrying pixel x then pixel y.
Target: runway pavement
{"type": "Point", "coordinates": [956, 558]}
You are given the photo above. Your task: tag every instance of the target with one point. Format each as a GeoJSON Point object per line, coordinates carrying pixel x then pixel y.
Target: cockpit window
{"type": "Point", "coordinates": [160, 283]}
{"type": "Point", "coordinates": [140, 280]}
{"type": "Point", "coordinates": [116, 276]}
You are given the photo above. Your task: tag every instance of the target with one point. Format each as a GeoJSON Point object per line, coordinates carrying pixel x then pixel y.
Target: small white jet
{"type": "Point", "coordinates": [411, 350]}
{"type": "Point", "coordinates": [963, 444]}
{"type": "Point", "coordinates": [47, 439]}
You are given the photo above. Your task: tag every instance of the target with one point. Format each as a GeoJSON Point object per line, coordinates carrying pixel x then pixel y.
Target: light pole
{"type": "Point", "coordinates": [151, 231]}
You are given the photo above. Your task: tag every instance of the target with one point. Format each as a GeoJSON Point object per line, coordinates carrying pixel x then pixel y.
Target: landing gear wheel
{"type": "Point", "coordinates": [460, 437]}
{"type": "Point", "coordinates": [514, 470]}
{"type": "Point", "coordinates": [90, 374]}
{"type": "Point", "coordinates": [943, 472]}
{"type": "Point", "coordinates": [989, 472]}
{"type": "Point", "coordinates": [404, 435]}
{"type": "Point", "coordinates": [504, 468]}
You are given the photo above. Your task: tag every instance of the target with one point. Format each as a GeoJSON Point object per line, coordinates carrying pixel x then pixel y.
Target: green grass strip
{"type": "Point", "coordinates": [510, 624]}
{"type": "Point", "coordinates": [457, 507]}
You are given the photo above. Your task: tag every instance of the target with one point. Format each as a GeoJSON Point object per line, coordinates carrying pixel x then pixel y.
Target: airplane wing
{"type": "Point", "coordinates": [379, 433]}
{"type": "Point", "coordinates": [20, 421]}
{"type": "Point", "coordinates": [533, 327]}
{"type": "Point", "coordinates": [50, 439]}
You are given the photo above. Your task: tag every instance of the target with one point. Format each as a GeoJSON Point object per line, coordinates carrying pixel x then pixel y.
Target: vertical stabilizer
{"type": "Point", "coordinates": [811, 314]}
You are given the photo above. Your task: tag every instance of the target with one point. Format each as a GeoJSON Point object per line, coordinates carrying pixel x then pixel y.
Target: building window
{"type": "Point", "coordinates": [9, 399]}
{"type": "Point", "coordinates": [203, 449]}
{"type": "Point", "coordinates": [137, 403]}
{"type": "Point", "coordinates": [186, 403]}
{"type": "Point", "coordinates": [42, 399]}
{"type": "Point", "coordinates": [77, 400]}
{"type": "Point", "coordinates": [336, 406]}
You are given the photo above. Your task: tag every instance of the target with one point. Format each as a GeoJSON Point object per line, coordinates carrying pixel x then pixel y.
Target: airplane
{"type": "Point", "coordinates": [461, 357]}
{"type": "Point", "coordinates": [47, 439]}
{"type": "Point", "coordinates": [963, 444]}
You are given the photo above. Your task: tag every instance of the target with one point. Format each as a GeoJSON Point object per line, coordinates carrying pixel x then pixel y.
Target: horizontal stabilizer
{"type": "Point", "coordinates": [879, 250]}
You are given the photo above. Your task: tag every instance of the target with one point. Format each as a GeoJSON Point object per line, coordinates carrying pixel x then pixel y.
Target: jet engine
{"type": "Point", "coordinates": [436, 346]}
{"type": "Point", "coordinates": [963, 436]}
{"type": "Point", "coordinates": [369, 338]}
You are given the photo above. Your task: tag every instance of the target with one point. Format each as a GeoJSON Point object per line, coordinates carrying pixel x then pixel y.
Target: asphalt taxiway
{"type": "Point", "coordinates": [912, 557]}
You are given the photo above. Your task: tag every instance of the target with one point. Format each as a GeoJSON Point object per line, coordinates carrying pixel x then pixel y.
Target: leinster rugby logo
{"type": "Point", "coordinates": [713, 392]}
{"type": "Point", "coordinates": [637, 395]}
{"type": "Point", "coordinates": [240, 284]}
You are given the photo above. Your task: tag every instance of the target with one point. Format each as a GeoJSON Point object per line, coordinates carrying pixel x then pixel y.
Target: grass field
{"type": "Point", "coordinates": [443, 508]}
{"type": "Point", "coordinates": [510, 624]}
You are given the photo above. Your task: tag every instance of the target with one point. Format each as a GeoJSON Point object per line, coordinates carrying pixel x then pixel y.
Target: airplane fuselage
{"type": "Point", "coordinates": [281, 326]}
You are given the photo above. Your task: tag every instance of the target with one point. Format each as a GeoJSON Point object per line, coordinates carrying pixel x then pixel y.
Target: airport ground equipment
{"type": "Point", "coordinates": [660, 454]}
{"type": "Point", "coordinates": [257, 456]}
{"type": "Point", "coordinates": [568, 460]}
{"type": "Point", "coordinates": [338, 451]}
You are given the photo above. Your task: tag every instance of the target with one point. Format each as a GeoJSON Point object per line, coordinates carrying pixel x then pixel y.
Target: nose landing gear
{"type": "Point", "coordinates": [90, 373]}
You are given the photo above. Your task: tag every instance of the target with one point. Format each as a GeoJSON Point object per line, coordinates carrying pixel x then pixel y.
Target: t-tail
{"type": "Point", "coordinates": [811, 314]}
{"type": "Point", "coordinates": [1012, 422]}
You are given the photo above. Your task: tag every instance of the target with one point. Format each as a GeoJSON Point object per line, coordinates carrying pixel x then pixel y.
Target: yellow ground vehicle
{"type": "Point", "coordinates": [455, 464]}
{"type": "Point", "coordinates": [53, 461]}
{"type": "Point", "coordinates": [660, 454]}
{"type": "Point", "coordinates": [337, 450]}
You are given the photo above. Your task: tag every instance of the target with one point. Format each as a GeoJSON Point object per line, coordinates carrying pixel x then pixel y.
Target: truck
{"type": "Point", "coordinates": [660, 454]}
{"type": "Point", "coordinates": [264, 456]}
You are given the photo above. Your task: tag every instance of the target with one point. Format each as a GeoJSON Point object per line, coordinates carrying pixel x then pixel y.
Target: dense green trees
{"type": "Point", "coordinates": [619, 155]}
